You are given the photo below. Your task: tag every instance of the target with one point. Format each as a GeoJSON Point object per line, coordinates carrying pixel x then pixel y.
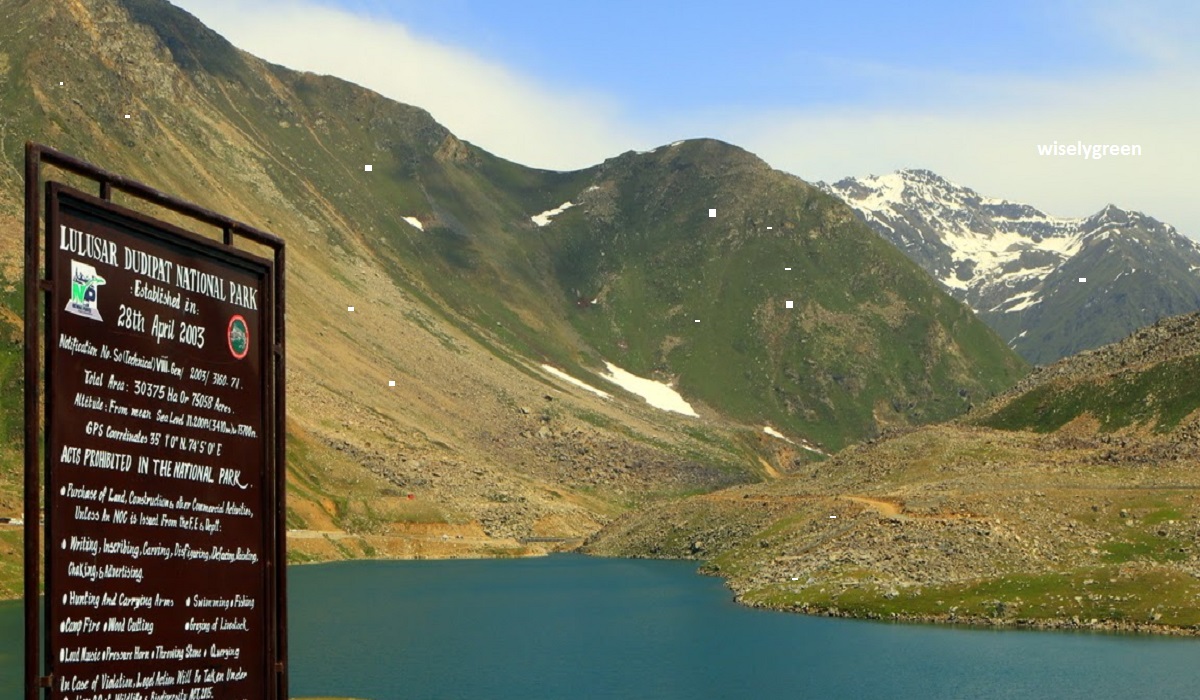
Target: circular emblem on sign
{"type": "Point", "coordinates": [239, 337]}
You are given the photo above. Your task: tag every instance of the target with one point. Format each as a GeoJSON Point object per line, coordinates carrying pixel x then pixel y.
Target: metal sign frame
{"type": "Point", "coordinates": [38, 461]}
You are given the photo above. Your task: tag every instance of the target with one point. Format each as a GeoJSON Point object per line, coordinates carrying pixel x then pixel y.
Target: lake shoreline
{"type": "Point", "coordinates": [511, 630]}
{"type": "Point", "coordinates": [410, 548]}
{"type": "Point", "coordinates": [954, 620]}
{"type": "Point", "coordinates": [1049, 624]}
{"type": "Point", "coordinates": [949, 620]}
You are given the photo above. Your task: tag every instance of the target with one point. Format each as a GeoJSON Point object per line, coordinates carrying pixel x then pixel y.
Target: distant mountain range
{"type": "Point", "coordinates": [1050, 286]}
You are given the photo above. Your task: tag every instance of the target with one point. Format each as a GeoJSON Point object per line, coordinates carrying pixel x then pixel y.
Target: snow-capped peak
{"type": "Point", "coordinates": [971, 242]}
{"type": "Point", "coordinates": [1024, 271]}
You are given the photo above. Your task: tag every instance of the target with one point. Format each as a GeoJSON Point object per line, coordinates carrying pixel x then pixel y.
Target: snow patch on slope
{"type": "Point", "coordinates": [991, 253]}
{"type": "Point", "coordinates": [657, 394]}
{"type": "Point", "coordinates": [414, 222]}
{"type": "Point", "coordinates": [572, 380]}
{"type": "Point", "coordinates": [803, 443]}
{"type": "Point", "coordinates": [545, 217]}
{"type": "Point", "coordinates": [1024, 301]}
{"type": "Point", "coordinates": [775, 433]}
{"type": "Point", "coordinates": [953, 282]}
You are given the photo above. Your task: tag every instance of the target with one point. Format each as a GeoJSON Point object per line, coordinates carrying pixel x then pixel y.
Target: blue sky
{"type": "Point", "coordinates": [664, 57]}
{"type": "Point", "coordinates": [822, 90]}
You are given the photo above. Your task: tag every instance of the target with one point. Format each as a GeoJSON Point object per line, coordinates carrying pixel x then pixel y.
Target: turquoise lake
{"type": "Point", "coordinates": [576, 627]}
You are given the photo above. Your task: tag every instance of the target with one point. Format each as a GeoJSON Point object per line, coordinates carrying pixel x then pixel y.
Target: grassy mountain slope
{"type": "Point", "coordinates": [462, 309]}
{"type": "Point", "coordinates": [1070, 501]}
{"type": "Point", "coordinates": [666, 290]}
{"type": "Point", "coordinates": [1147, 382]}
{"type": "Point", "coordinates": [454, 314]}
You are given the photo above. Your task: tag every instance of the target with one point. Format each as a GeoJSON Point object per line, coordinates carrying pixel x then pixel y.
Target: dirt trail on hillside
{"type": "Point", "coordinates": [312, 534]}
{"type": "Point", "coordinates": [884, 507]}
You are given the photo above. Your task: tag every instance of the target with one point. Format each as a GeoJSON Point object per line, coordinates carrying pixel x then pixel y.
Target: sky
{"type": "Point", "coordinates": [823, 90]}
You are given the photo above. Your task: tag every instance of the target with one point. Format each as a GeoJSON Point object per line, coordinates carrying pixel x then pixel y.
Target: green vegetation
{"type": "Point", "coordinates": [12, 403]}
{"type": "Point", "coordinates": [295, 556]}
{"type": "Point", "coordinates": [1109, 593]}
{"type": "Point", "coordinates": [1144, 546]}
{"type": "Point", "coordinates": [1160, 396]}
{"type": "Point", "coordinates": [12, 399]}
{"type": "Point", "coordinates": [295, 521]}
{"type": "Point", "coordinates": [869, 328]}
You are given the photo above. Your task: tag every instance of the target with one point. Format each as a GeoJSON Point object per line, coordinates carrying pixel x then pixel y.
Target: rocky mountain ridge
{"type": "Point", "coordinates": [1051, 286]}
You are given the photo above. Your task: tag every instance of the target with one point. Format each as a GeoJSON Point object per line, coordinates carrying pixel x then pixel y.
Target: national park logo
{"type": "Point", "coordinates": [84, 292]}
{"type": "Point", "coordinates": [239, 337]}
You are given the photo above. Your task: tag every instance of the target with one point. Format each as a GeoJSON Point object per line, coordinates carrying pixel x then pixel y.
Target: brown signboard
{"type": "Point", "coordinates": [161, 504]}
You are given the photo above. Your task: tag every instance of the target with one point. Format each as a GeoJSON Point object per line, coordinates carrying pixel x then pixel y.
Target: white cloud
{"type": "Point", "coordinates": [480, 101]}
{"type": "Point", "coordinates": [990, 143]}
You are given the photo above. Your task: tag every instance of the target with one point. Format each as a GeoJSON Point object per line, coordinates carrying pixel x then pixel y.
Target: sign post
{"type": "Point", "coordinates": [164, 533]}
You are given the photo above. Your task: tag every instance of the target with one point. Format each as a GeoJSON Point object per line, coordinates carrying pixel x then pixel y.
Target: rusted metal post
{"type": "Point", "coordinates": [33, 486]}
{"type": "Point", "coordinates": [280, 357]}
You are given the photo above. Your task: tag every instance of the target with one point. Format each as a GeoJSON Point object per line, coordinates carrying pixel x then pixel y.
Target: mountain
{"type": "Point", "coordinates": [669, 291]}
{"type": "Point", "coordinates": [1069, 501]}
{"type": "Point", "coordinates": [486, 298]}
{"type": "Point", "coordinates": [428, 248]}
{"type": "Point", "coordinates": [1022, 270]}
